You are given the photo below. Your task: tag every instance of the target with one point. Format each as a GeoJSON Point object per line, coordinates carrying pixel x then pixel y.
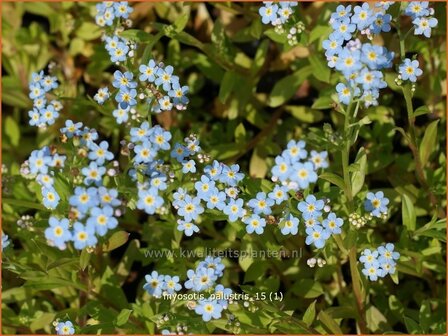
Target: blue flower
{"type": "Point", "coordinates": [148, 72]}
{"type": "Point", "coordinates": [154, 284]}
{"type": "Point", "coordinates": [381, 23]}
{"type": "Point", "coordinates": [165, 77]}
{"type": "Point", "coordinates": [387, 253]}
{"type": "Point", "coordinates": [222, 295]}
{"type": "Point", "coordinates": [126, 96]}
{"type": "Point", "coordinates": [374, 56]}
{"type": "Point", "coordinates": [108, 196]}
{"type": "Point", "coordinates": [343, 29]}
{"type": "Point", "coordinates": [204, 278]}
{"type": "Point", "coordinates": [171, 284]}
{"type": "Point", "coordinates": [50, 198]}
{"type": "Point", "coordinates": [376, 203]}
{"type": "Point", "coordinates": [214, 171]}
{"type": "Point", "coordinates": [140, 133]}
{"type": "Point", "coordinates": [149, 200]}
{"type": "Point", "coordinates": [423, 25]}
{"type": "Point", "coordinates": [316, 235]}
{"type": "Point", "coordinates": [362, 16]}
{"type": "Point", "coordinates": [304, 174]}
{"type": "Point", "coordinates": [178, 94]}
{"type": "Point", "coordinates": [122, 9]}
{"type": "Point", "coordinates": [295, 150]}
{"type": "Point", "coordinates": [119, 53]}
{"type": "Point", "coordinates": [344, 93]}
{"type": "Point", "coordinates": [208, 309]}
{"type": "Point", "coordinates": [84, 236]}
{"type": "Point", "coordinates": [333, 45]}
{"type": "Point", "coordinates": [93, 173]}
{"type": "Point", "coordinates": [332, 223]}
{"type": "Point", "coordinates": [99, 153]}
{"type": "Point", "coordinates": [261, 204]}
{"type": "Point", "coordinates": [5, 241]}
{"type": "Point", "coordinates": [348, 61]}
{"type": "Point", "coordinates": [36, 91]}
{"type": "Point", "coordinates": [234, 209]}
{"type": "Point", "coordinates": [268, 12]}
{"type": "Point", "coordinates": [189, 167]}
{"type": "Point", "coordinates": [372, 270]}
{"type": "Point", "coordinates": [102, 95]}
{"type": "Point", "coordinates": [35, 119]}
{"type": "Point", "coordinates": [71, 129]}
{"type": "Point", "coordinates": [123, 80]}
{"type": "Point", "coordinates": [121, 115]}
{"type": "Point", "coordinates": [204, 187]}
{"type": "Point", "coordinates": [190, 208]}
{"type": "Point", "coordinates": [282, 169]}
{"type": "Point", "coordinates": [216, 199]}
{"type": "Point", "coordinates": [417, 9]}
{"type": "Point", "coordinates": [230, 175]}
{"type": "Point", "coordinates": [102, 219]}
{"type": "Point", "coordinates": [342, 13]}
{"type": "Point", "coordinates": [255, 224]}
{"type": "Point", "coordinates": [279, 194]}
{"type": "Point", "coordinates": [290, 225]}
{"type": "Point", "coordinates": [144, 152]}
{"type": "Point", "coordinates": [58, 233]}
{"type": "Point", "coordinates": [320, 160]}
{"type": "Point", "coordinates": [213, 263]}
{"type": "Point", "coordinates": [180, 152]}
{"type": "Point", "coordinates": [48, 114]}
{"type": "Point", "coordinates": [39, 161]}
{"type": "Point", "coordinates": [65, 328]}
{"type": "Point", "coordinates": [48, 83]}
{"type": "Point", "coordinates": [84, 199]}
{"type": "Point", "coordinates": [165, 103]}
{"type": "Point", "coordinates": [160, 138]}
{"type": "Point", "coordinates": [187, 227]}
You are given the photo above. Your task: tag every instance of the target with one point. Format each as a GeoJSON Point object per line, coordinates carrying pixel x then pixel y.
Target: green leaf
{"type": "Point", "coordinates": [358, 176]}
{"type": "Point", "coordinates": [376, 322]}
{"type": "Point", "coordinates": [412, 326]}
{"type": "Point", "coordinates": [308, 288]}
{"type": "Point", "coordinates": [323, 103]}
{"type": "Point", "coordinates": [84, 259]}
{"type": "Point", "coordinates": [89, 31]}
{"type": "Point", "coordinates": [310, 314]}
{"type": "Point", "coordinates": [408, 213]}
{"type": "Point", "coordinates": [123, 317]}
{"type": "Point", "coordinates": [23, 204]}
{"type": "Point", "coordinates": [319, 32]}
{"type": "Point", "coordinates": [116, 240]}
{"type": "Point", "coordinates": [320, 69]}
{"type": "Point", "coordinates": [333, 178]}
{"type": "Point", "coordinates": [137, 35]}
{"type": "Point", "coordinates": [181, 22]}
{"type": "Point", "coordinates": [329, 323]}
{"type": "Point", "coordinates": [12, 130]}
{"type": "Point", "coordinates": [422, 110]}
{"type": "Point", "coordinates": [228, 83]}
{"type": "Point", "coordinates": [305, 114]}
{"type": "Point", "coordinates": [429, 142]}
{"type": "Point", "coordinates": [257, 166]}
{"type": "Point", "coordinates": [285, 88]}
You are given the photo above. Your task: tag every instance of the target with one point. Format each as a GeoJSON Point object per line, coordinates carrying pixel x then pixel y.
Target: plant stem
{"type": "Point", "coordinates": [345, 154]}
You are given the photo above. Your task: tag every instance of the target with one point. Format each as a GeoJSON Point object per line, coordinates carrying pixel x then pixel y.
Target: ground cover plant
{"type": "Point", "coordinates": [241, 168]}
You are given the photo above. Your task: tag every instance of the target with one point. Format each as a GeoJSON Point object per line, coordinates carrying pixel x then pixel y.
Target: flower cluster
{"type": "Point", "coordinates": [200, 280]}
{"type": "Point", "coordinates": [318, 230]}
{"type": "Point", "coordinates": [421, 16]}
{"type": "Point", "coordinates": [280, 16]}
{"type": "Point", "coordinates": [379, 263]}
{"type": "Point", "coordinates": [296, 169]}
{"type": "Point", "coordinates": [109, 10]}
{"type": "Point", "coordinates": [43, 113]}
{"type": "Point", "coordinates": [42, 165]}
{"type": "Point", "coordinates": [92, 202]}
{"type": "Point", "coordinates": [159, 87]}
{"type": "Point", "coordinates": [64, 328]}
{"type": "Point", "coordinates": [359, 63]}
